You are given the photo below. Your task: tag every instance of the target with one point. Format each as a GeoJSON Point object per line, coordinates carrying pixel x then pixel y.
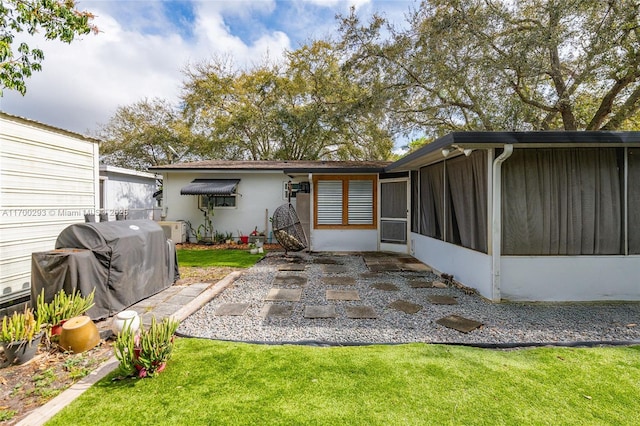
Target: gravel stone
{"type": "Point", "coordinates": [503, 323]}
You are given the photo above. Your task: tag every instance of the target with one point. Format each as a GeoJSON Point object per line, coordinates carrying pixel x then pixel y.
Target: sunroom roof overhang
{"type": "Point", "coordinates": [458, 143]}
{"type": "Point", "coordinates": [221, 187]}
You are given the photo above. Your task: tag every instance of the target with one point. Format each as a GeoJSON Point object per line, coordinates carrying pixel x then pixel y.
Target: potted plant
{"type": "Point", "coordinates": [62, 307]}
{"type": "Point", "coordinates": [252, 248]}
{"type": "Point", "coordinates": [20, 336]}
{"type": "Point", "coordinates": [145, 354]}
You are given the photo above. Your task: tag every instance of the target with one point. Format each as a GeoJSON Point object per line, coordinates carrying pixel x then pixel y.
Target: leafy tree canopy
{"type": "Point", "coordinates": [148, 133]}
{"type": "Point", "coordinates": [58, 19]}
{"type": "Point", "coordinates": [308, 108]}
{"type": "Point", "coordinates": [504, 65]}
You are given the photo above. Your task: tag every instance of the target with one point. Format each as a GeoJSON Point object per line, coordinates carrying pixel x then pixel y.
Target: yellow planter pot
{"type": "Point", "coordinates": [79, 334]}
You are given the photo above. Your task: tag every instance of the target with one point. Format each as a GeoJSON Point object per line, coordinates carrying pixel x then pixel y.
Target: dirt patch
{"type": "Point", "coordinates": [26, 387]}
{"type": "Point", "coordinates": [192, 275]}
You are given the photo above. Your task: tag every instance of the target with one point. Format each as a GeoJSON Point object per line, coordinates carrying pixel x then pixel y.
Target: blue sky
{"type": "Point", "coordinates": [144, 45]}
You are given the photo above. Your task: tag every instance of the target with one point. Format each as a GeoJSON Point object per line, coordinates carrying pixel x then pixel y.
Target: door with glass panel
{"type": "Point", "coordinates": [394, 215]}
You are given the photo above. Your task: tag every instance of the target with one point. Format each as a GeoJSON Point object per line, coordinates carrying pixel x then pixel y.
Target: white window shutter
{"type": "Point", "coordinates": [360, 202]}
{"type": "Point", "coordinates": [329, 202]}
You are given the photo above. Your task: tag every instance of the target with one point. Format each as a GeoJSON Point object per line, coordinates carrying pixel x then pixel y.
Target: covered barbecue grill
{"type": "Point", "coordinates": [125, 261]}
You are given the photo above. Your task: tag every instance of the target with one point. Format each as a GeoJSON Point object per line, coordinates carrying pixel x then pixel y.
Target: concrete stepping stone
{"type": "Point", "coordinates": [284, 294]}
{"type": "Point", "coordinates": [420, 284]}
{"type": "Point", "coordinates": [325, 261]}
{"type": "Point", "coordinates": [442, 300]}
{"type": "Point", "coordinates": [293, 280]}
{"type": "Point", "coordinates": [334, 269]}
{"type": "Point", "coordinates": [338, 281]}
{"type": "Point", "coordinates": [276, 311]}
{"type": "Point", "coordinates": [439, 284]}
{"type": "Point", "coordinates": [416, 267]}
{"type": "Point", "coordinates": [320, 311]}
{"type": "Point", "coordinates": [291, 267]}
{"type": "Point", "coordinates": [408, 259]}
{"type": "Point", "coordinates": [342, 295]}
{"type": "Point", "coordinates": [232, 309]}
{"type": "Point", "coordinates": [405, 306]}
{"type": "Point", "coordinates": [360, 312]}
{"type": "Point", "coordinates": [369, 275]}
{"type": "Point", "coordinates": [461, 324]}
{"type": "Point", "coordinates": [384, 267]}
{"type": "Point", "coordinates": [385, 286]}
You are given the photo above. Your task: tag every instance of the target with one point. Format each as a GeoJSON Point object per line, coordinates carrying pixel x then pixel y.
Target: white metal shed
{"type": "Point", "coordinates": [48, 180]}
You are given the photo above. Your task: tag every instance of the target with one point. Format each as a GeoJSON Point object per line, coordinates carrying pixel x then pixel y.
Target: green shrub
{"type": "Point", "coordinates": [63, 306]}
{"type": "Point", "coordinates": [21, 326]}
{"type": "Point", "coordinates": [145, 354]}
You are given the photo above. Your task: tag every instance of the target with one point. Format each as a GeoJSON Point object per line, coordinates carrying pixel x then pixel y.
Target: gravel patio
{"type": "Point", "coordinates": [372, 298]}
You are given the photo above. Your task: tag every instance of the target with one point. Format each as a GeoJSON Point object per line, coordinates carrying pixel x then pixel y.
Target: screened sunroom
{"type": "Point", "coordinates": [546, 216]}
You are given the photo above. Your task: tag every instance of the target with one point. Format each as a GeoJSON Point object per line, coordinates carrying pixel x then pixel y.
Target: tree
{"type": "Point", "coordinates": [233, 109]}
{"type": "Point", "coordinates": [305, 109]}
{"type": "Point", "coordinates": [503, 65]}
{"type": "Point", "coordinates": [60, 20]}
{"type": "Point", "coordinates": [148, 133]}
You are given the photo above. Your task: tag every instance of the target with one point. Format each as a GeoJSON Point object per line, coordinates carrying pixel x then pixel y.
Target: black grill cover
{"type": "Point", "coordinates": [129, 261]}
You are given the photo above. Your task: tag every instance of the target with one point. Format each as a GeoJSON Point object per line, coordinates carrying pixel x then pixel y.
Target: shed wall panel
{"type": "Point", "coordinates": [48, 180]}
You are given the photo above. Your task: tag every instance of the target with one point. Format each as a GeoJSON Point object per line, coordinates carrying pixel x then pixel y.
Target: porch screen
{"type": "Point", "coordinates": [432, 201]}
{"type": "Point", "coordinates": [453, 198]}
{"type": "Point", "coordinates": [415, 201]}
{"type": "Point", "coordinates": [634, 200]}
{"type": "Point", "coordinates": [467, 177]}
{"type": "Point", "coordinates": [564, 201]}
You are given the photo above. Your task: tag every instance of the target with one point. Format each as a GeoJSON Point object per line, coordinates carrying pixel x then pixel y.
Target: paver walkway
{"type": "Point", "coordinates": [292, 280]}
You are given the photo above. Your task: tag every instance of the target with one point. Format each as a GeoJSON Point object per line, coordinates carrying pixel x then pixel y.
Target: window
{"type": "Point", "coordinates": [345, 202]}
{"type": "Point", "coordinates": [216, 201]}
{"type": "Point", "coordinates": [296, 187]}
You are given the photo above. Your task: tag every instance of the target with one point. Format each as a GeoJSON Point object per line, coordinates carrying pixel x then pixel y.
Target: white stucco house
{"type": "Point", "coordinates": [336, 200]}
{"type": "Point", "coordinates": [129, 194]}
{"type": "Point", "coordinates": [48, 180]}
{"type": "Point", "coordinates": [519, 216]}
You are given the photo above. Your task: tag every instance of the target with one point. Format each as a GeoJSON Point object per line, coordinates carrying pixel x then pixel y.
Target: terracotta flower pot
{"type": "Point", "coordinates": [57, 329]}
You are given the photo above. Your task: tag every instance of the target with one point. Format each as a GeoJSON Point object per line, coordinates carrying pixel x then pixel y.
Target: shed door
{"type": "Point", "coordinates": [394, 211]}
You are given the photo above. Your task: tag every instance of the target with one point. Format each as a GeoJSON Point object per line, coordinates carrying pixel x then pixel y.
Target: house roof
{"type": "Point", "coordinates": [457, 142]}
{"type": "Point", "coordinates": [106, 169]}
{"type": "Point", "coordinates": [289, 166]}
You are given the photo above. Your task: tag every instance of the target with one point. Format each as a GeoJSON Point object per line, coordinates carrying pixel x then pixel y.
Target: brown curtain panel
{"type": "Point", "coordinates": [415, 201]}
{"type": "Point", "coordinates": [467, 178]}
{"type": "Point", "coordinates": [564, 201]}
{"type": "Point", "coordinates": [432, 200]}
{"type": "Point", "coordinates": [634, 200]}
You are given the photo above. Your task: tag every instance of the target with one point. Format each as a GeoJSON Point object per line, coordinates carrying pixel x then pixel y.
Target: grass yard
{"type": "Point", "coordinates": [209, 258]}
{"type": "Point", "coordinates": [223, 383]}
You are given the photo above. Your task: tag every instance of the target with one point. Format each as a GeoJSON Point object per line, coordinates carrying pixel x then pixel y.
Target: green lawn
{"type": "Point", "coordinates": [206, 258]}
{"type": "Point", "coordinates": [222, 383]}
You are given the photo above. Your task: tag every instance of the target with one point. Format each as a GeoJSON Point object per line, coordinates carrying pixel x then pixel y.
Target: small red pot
{"type": "Point", "coordinates": [57, 329]}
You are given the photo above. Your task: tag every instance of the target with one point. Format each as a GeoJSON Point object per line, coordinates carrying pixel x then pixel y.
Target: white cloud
{"type": "Point", "coordinates": [333, 3]}
{"type": "Point", "coordinates": [83, 83]}
{"type": "Point", "coordinates": [140, 52]}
